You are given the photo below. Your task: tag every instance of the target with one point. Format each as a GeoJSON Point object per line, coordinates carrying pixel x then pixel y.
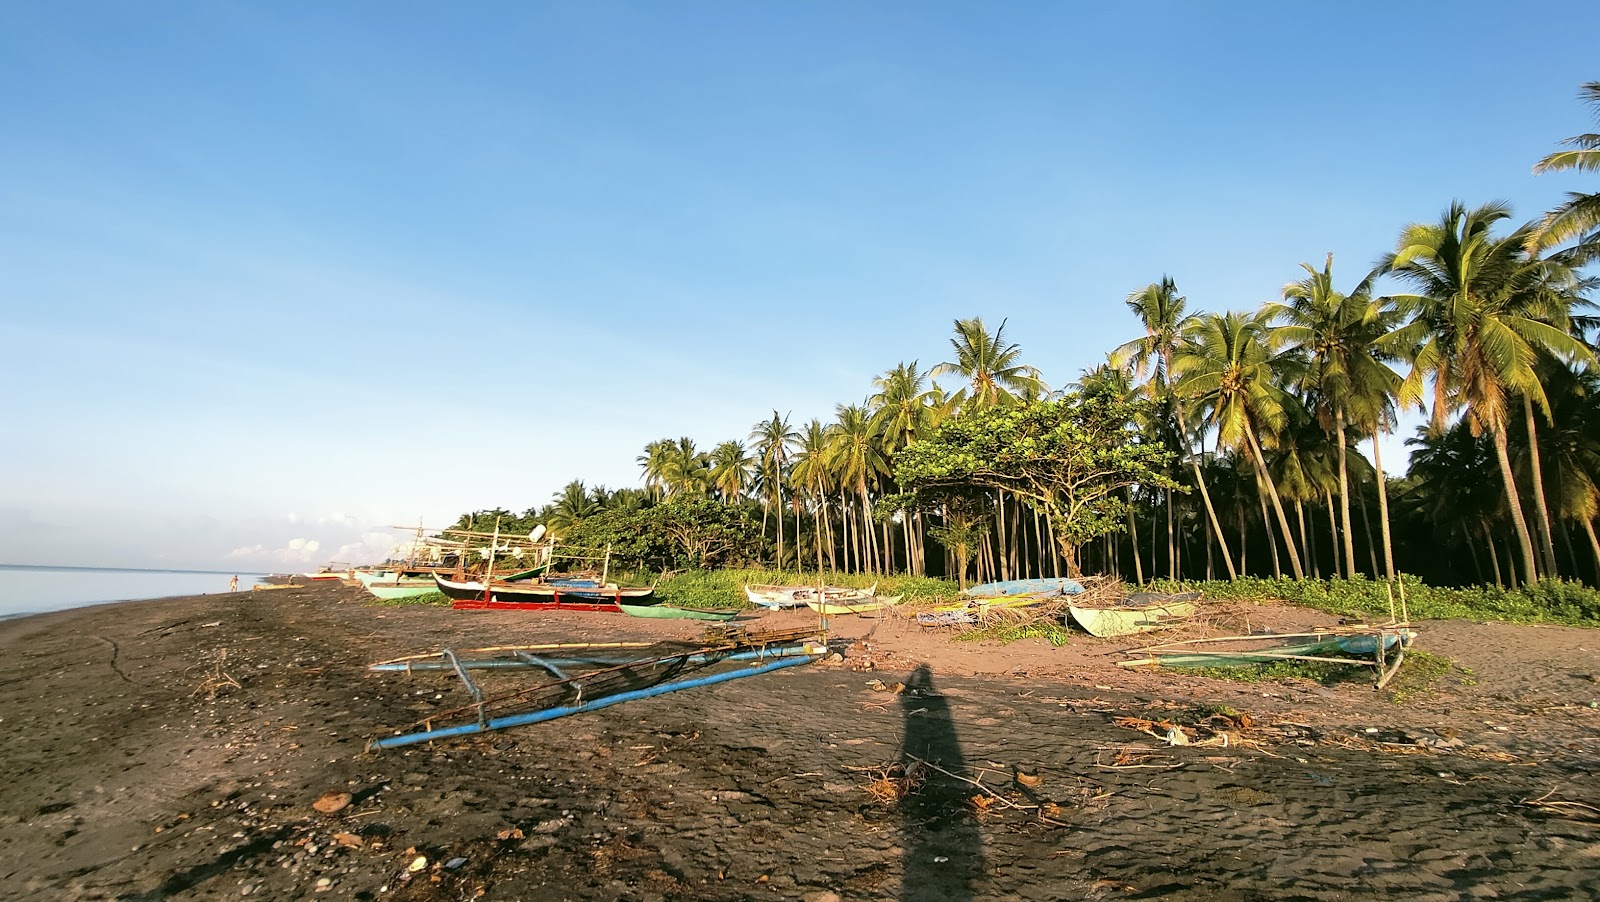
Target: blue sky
{"type": "Point", "coordinates": [290, 273]}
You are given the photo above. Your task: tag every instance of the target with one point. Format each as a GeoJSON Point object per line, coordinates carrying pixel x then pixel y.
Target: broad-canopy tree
{"type": "Point", "coordinates": [1071, 458]}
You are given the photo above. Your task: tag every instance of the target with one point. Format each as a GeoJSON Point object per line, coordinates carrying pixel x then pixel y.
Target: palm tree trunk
{"type": "Point", "coordinates": [1548, 546]}
{"type": "Point", "coordinates": [1133, 532]}
{"type": "Point", "coordinates": [1000, 532]}
{"type": "Point", "coordinates": [778, 509]}
{"type": "Point", "coordinates": [1477, 563]}
{"type": "Point", "coordinates": [1530, 570]}
{"type": "Point", "coordinates": [1494, 557]}
{"type": "Point", "coordinates": [1172, 553]}
{"type": "Point", "coordinates": [1244, 546]}
{"type": "Point", "coordinates": [1511, 558]}
{"type": "Point", "coordinates": [867, 531]}
{"type": "Point", "coordinates": [1205, 494]}
{"type": "Point", "coordinates": [1300, 513]}
{"type": "Point", "coordinates": [1366, 522]}
{"type": "Point", "coordinates": [1266, 523]}
{"type": "Point", "coordinates": [1383, 505]}
{"type": "Point", "coordinates": [1344, 493]}
{"type": "Point", "coordinates": [1594, 545]}
{"type": "Point", "coordinates": [1211, 571]}
{"type": "Point", "coordinates": [1333, 531]}
{"type": "Point", "coordinates": [1277, 504]}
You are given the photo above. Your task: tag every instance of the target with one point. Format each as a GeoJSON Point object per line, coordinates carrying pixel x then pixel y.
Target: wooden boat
{"type": "Point", "coordinates": [538, 596]}
{"type": "Point", "coordinates": [1138, 613]}
{"type": "Point", "coordinates": [778, 597]}
{"type": "Point", "coordinates": [975, 610]}
{"type": "Point", "coordinates": [1060, 585]}
{"type": "Point", "coordinates": [667, 612]}
{"type": "Point", "coordinates": [852, 606]}
{"type": "Point", "coordinates": [1381, 647]}
{"type": "Point", "coordinates": [404, 588]}
{"type": "Point", "coordinates": [327, 574]}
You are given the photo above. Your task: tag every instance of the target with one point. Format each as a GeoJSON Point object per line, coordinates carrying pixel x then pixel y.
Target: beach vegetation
{"type": "Point", "coordinates": [1236, 449]}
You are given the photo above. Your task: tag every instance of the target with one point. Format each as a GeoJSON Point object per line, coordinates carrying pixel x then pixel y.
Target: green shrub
{"type": "Point", "coordinates": [724, 588]}
{"type": "Point", "coordinates": [1550, 601]}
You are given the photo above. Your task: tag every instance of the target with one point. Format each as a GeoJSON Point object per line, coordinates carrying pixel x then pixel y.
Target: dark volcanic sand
{"type": "Point", "coordinates": [123, 777]}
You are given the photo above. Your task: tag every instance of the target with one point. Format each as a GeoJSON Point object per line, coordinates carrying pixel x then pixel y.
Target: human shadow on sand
{"type": "Point", "coordinates": [943, 851]}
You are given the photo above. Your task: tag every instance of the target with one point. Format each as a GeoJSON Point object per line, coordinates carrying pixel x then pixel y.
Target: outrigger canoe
{"type": "Point", "coordinates": [538, 597]}
{"type": "Point", "coordinates": [667, 612]}
{"type": "Point", "coordinates": [851, 606]}
{"type": "Point", "coordinates": [778, 597]}
{"type": "Point", "coordinates": [1140, 612]}
{"type": "Point", "coordinates": [1057, 584]}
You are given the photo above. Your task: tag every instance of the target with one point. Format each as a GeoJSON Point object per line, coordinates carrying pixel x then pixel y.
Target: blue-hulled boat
{"type": "Point", "coordinates": [1056, 584]}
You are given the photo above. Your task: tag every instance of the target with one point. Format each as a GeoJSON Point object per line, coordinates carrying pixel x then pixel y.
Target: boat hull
{"type": "Point", "coordinates": [853, 607]}
{"type": "Point", "coordinates": [408, 589]}
{"type": "Point", "coordinates": [1117, 620]}
{"type": "Point", "coordinates": [473, 595]}
{"type": "Point", "coordinates": [1058, 584]}
{"type": "Point", "coordinates": [665, 612]}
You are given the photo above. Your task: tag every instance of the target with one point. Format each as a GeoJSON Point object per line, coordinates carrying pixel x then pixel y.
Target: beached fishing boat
{"type": "Point", "coordinates": [1058, 584]}
{"type": "Point", "coordinates": [667, 612]}
{"type": "Point", "coordinates": [778, 597]}
{"type": "Point", "coordinates": [538, 596]}
{"type": "Point", "coordinates": [974, 610]}
{"type": "Point", "coordinates": [1380, 647]}
{"type": "Point", "coordinates": [853, 606]}
{"type": "Point", "coordinates": [1140, 612]}
{"type": "Point", "coordinates": [405, 588]}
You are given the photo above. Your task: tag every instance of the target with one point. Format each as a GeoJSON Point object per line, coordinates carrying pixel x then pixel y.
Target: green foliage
{"type": "Point", "coordinates": [723, 588]}
{"type": "Point", "coordinates": [1420, 672]}
{"type": "Point", "coordinates": [1008, 631]}
{"type": "Point", "coordinates": [679, 533]}
{"type": "Point", "coordinates": [1550, 601]}
{"type": "Point", "coordinates": [433, 599]}
{"type": "Point", "coordinates": [1071, 458]}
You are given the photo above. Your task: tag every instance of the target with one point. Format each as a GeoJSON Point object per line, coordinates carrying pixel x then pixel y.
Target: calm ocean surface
{"type": "Point", "coordinates": [33, 590]}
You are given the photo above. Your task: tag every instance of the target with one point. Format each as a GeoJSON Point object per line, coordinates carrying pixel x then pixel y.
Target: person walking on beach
{"type": "Point", "coordinates": [233, 584]}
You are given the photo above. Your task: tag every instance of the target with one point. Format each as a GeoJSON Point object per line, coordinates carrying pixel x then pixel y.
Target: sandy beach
{"type": "Point", "coordinates": [175, 748]}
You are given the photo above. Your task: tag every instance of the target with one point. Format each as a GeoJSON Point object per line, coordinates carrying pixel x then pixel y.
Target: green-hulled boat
{"type": "Point", "coordinates": [667, 612]}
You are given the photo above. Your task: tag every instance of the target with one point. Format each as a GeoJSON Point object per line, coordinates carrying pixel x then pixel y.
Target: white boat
{"type": "Point", "coordinates": [779, 597]}
{"type": "Point", "coordinates": [853, 606]}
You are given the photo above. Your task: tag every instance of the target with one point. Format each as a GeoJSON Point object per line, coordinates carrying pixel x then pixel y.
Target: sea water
{"type": "Point", "coordinates": [33, 590]}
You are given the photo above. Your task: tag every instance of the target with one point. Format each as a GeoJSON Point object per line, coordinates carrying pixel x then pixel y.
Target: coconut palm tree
{"type": "Point", "coordinates": [858, 459]}
{"type": "Point", "coordinates": [1160, 310]}
{"type": "Point", "coordinates": [731, 470]}
{"type": "Point", "coordinates": [902, 413]}
{"type": "Point", "coordinates": [1223, 363]}
{"type": "Point", "coordinates": [1579, 217]}
{"type": "Point", "coordinates": [686, 471]}
{"type": "Point", "coordinates": [1347, 378]}
{"type": "Point", "coordinates": [811, 475]}
{"type": "Point", "coordinates": [1476, 327]}
{"type": "Point", "coordinates": [989, 366]}
{"type": "Point", "coordinates": [571, 506]}
{"type": "Point", "coordinates": [654, 463]}
{"type": "Point", "coordinates": [772, 441]}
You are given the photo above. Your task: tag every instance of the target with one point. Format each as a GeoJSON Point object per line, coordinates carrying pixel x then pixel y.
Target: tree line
{"type": "Point", "coordinates": [1251, 425]}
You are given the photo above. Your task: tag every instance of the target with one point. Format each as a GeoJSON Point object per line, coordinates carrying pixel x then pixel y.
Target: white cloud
{"type": "Point", "coordinates": [297, 551]}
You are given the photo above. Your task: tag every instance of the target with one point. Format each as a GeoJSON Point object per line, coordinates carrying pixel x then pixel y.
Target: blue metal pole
{"type": "Point", "coordinates": [517, 720]}
{"type": "Point", "coordinates": [785, 651]}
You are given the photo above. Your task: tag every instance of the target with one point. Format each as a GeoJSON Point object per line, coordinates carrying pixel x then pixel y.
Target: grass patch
{"type": "Point", "coordinates": [1550, 601]}
{"type": "Point", "coordinates": [1420, 672]}
{"type": "Point", "coordinates": [1006, 632]}
{"type": "Point", "coordinates": [433, 599]}
{"type": "Point", "coordinates": [724, 588]}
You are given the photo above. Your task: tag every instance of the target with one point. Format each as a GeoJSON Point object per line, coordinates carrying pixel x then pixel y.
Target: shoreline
{"type": "Point", "coordinates": [134, 771]}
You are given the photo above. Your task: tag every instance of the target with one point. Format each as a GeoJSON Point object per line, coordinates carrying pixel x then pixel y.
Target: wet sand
{"type": "Point", "coordinates": [131, 769]}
